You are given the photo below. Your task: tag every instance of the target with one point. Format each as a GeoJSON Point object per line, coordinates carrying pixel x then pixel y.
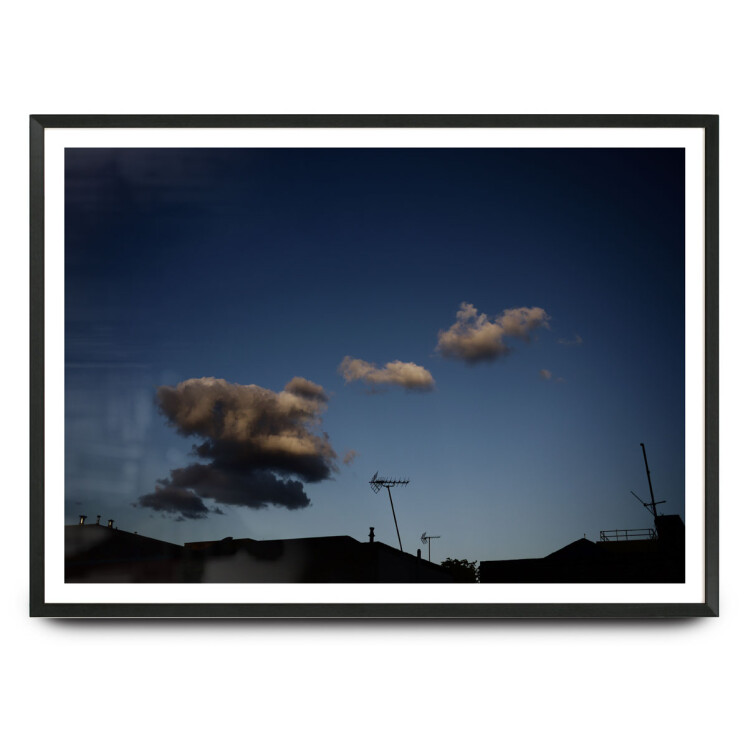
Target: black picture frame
{"type": "Point", "coordinates": [39, 124]}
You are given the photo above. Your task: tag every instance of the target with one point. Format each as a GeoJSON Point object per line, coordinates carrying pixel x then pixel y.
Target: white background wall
{"type": "Point", "coordinates": [437, 684]}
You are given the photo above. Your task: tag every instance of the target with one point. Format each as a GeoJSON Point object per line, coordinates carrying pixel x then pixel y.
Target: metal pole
{"type": "Point", "coordinates": [651, 492]}
{"type": "Point", "coordinates": [429, 549]}
{"type": "Point", "coordinates": [395, 518]}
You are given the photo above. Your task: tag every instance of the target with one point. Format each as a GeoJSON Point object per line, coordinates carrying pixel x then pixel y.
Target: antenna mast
{"type": "Point", "coordinates": [427, 539]}
{"type": "Point", "coordinates": [377, 484]}
{"type": "Point", "coordinates": [652, 507]}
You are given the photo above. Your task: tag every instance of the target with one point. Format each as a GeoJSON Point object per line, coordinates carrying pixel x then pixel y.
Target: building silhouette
{"type": "Point", "coordinates": [94, 553]}
{"type": "Point", "coordinates": [98, 553]}
{"type": "Point", "coordinates": [624, 556]}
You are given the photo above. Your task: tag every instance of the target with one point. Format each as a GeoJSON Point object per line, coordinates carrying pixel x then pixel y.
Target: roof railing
{"type": "Point", "coordinates": [643, 534]}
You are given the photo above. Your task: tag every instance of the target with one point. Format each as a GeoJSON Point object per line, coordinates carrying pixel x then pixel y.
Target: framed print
{"type": "Point", "coordinates": [374, 366]}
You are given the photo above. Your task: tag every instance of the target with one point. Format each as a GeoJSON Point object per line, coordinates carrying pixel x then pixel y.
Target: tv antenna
{"type": "Point", "coordinates": [427, 539]}
{"type": "Point", "coordinates": [652, 506]}
{"type": "Point", "coordinates": [377, 484]}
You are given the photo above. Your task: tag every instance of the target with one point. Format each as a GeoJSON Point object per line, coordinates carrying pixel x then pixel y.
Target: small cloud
{"type": "Point", "coordinates": [304, 388]}
{"type": "Point", "coordinates": [545, 374]}
{"type": "Point", "coordinates": [349, 456]}
{"type": "Point", "coordinates": [475, 337]}
{"type": "Point", "coordinates": [409, 376]}
{"type": "Point", "coordinates": [576, 340]}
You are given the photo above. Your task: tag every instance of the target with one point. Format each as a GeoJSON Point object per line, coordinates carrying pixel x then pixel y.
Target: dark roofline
{"type": "Point", "coordinates": [104, 528]}
{"type": "Point", "coordinates": [195, 544]}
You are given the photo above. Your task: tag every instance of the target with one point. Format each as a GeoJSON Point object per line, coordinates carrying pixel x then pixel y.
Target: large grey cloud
{"type": "Point", "coordinates": [255, 489]}
{"type": "Point", "coordinates": [410, 376]}
{"type": "Point", "coordinates": [254, 439]}
{"type": "Point", "coordinates": [474, 337]}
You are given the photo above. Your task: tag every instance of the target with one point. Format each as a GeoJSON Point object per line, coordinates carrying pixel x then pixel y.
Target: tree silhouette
{"type": "Point", "coordinates": [462, 570]}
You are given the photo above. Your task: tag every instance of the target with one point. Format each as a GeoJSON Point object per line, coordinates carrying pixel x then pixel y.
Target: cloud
{"type": "Point", "coordinates": [305, 388]}
{"type": "Point", "coordinates": [248, 425]}
{"type": "Point", "coordinates": [255, 489]}
{"type": "Point", "coordinates": [410, 376]}
{"type": "Point", "coordinates": [576, 340]}
{"type": "Point", "coordinates": [475, 337]}
{"type": "Point", "coordinates": [349, 456]}
{"type": "Point", "coordinates": [179, 501]}
{"type": "Point", "coordinates": [254, 439]}
{"type": "Point", "coordinates": [545, 374]}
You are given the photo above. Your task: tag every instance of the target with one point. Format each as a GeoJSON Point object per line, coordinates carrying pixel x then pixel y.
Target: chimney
{"type": "Point", "coordinates": [371, 534]}
{"type": "Point", "coordinates": [98, 519]}
{"type": "Point", "coordinates": [110, 524]}
{"type": "Point", "coordinates": [418, 554]}
{"type": "Point", "coordinates": [82, 520]}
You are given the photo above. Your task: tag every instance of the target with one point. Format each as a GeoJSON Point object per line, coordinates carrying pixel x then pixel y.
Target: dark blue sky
{"type": "Point", "coordinates": [258, 266]}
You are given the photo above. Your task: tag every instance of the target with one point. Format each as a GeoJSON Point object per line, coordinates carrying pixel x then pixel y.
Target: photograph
{"type": "Point", "coordinates": [349, 365]}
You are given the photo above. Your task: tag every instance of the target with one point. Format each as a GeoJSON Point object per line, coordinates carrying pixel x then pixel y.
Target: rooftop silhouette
{"type": "Point", "coordinates": [94, 553]}
{"type": "Point", "coordinates": [656, 558]}
{"type": "Point", "coordinates": [98, 553]}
